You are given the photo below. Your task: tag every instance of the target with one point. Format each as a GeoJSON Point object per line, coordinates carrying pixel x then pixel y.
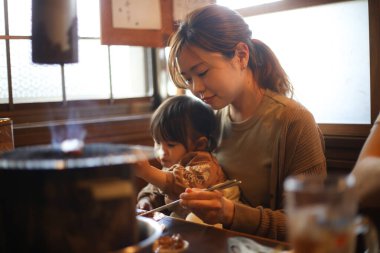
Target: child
{"type": "Point", "coordinates": [184, 130]}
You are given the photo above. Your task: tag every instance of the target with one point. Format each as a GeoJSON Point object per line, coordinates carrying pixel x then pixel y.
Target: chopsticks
{"type": "Point", "coordinates": [221, 186]}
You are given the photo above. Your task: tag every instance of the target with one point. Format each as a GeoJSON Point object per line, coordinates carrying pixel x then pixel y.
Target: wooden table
{"type": "Point", "coordinates": [209, 239]}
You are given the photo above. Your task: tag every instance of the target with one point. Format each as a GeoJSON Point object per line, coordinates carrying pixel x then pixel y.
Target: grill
{"type": "Point", "coordinates": [52, 201]}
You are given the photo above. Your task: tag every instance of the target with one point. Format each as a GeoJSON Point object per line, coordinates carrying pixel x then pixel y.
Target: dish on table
{"type": "Point", "coordinates": [170, 244]}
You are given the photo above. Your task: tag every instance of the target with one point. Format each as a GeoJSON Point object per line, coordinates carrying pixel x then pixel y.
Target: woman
{"type": "Point", "coordinates": [265, 136]}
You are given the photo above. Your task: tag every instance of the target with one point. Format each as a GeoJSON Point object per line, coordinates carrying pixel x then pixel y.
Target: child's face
{"type": "Point", "coordinates": [169, 153]}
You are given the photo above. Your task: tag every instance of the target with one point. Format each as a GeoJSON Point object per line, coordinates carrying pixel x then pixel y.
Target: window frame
{"type": "Point", "coordinates": [353, 130]}
{"type": "Point", "coordinates": [95, 110]}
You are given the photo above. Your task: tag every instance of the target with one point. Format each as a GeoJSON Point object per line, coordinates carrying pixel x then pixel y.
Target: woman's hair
{"type": "Point", "coordinates": [183, 118]}
{"type": "Point", "coordinates": [218, 29]}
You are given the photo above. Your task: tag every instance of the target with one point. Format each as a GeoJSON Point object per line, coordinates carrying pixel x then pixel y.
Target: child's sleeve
{"type": "Point", "coordinates": [153, 194]}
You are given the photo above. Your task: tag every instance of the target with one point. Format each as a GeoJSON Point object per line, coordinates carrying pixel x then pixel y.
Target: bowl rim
{"type": "Point", "coordinates": [147, 242]}
{"type": "Point", "coordinates": [126, 154]}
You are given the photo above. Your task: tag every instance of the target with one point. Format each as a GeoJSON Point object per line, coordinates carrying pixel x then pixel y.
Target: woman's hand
{"type": "Point", "coordinates": [211, 207]}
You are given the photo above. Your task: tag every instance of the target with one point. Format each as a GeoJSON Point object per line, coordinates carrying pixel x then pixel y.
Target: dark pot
{"type": "Point", "coordinates": [51, 201]}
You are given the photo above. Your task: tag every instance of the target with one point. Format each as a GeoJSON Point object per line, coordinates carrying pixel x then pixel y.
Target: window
{"type": "Point", "coordinates": [239, 4]}
{"type": "Point", "coordinates": [325, 51]}
{"type": "Point", "coordinates": [103, 72]}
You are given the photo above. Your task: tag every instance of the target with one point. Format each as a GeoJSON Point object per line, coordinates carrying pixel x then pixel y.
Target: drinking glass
{"type": "Point", "coordinates": [322, 215]}
{"type": "Point", "coordinates": [6, 135]}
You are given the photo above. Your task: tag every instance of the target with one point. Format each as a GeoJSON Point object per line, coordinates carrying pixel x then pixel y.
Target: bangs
{"type": "Point", "coordinates": [176, 45]}
{"type": "Point", "coordinates": [168, 129]}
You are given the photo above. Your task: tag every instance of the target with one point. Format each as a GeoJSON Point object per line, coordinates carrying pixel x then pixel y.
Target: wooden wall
{"type": "Point", "coordinates": [127, 130]}
{"type": "Point", "coordinates": [342, 152]}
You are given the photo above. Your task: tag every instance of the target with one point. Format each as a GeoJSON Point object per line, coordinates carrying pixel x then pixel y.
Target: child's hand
{"type": "Point", "coordinates": [150, 174]}
{"type": "Point", "coordinates": [142, 165]}
{"type": "Point", "coordinates": [142, 168]}
{"type": "Point", "coordinates": [144, 204]}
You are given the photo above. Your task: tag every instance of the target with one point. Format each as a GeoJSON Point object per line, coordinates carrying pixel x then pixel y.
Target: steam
{"type": "Point", "coordinates": [69, 137]}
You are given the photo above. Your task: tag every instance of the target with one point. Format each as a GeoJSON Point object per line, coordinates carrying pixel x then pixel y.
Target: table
{"type": "Point", "coordinates": [209, 239]}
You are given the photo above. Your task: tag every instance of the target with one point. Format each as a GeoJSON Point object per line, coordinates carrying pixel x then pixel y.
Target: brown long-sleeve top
{"type": "Point", "coordinates": [281, 139]}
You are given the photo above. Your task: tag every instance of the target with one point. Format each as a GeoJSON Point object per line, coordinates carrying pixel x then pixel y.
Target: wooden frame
{"type": "Point", "coordinates": [374, 42]}
{"type": "Point", "coordinates": [136, 37]}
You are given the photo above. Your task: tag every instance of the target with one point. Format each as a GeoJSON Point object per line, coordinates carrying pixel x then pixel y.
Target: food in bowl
{"type": "Point", "coordinates": [170, 244]}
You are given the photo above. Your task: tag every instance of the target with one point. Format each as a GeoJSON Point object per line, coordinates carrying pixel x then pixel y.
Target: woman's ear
{"type": "Point", "coordinates": [201, 144]}
{"type": "Point", "coordinates": [242, 53]}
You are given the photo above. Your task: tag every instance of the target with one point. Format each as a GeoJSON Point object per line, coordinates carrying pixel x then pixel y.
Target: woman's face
{"type": "Point", "coordinates": [216, 80]}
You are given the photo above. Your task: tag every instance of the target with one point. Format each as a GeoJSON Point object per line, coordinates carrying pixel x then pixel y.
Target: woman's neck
{"type": "Point", "coordinates": [246, 105]}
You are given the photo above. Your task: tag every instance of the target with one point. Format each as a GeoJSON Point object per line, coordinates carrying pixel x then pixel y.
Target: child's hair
{"type": "Point", "coordinates": [183, 118]}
